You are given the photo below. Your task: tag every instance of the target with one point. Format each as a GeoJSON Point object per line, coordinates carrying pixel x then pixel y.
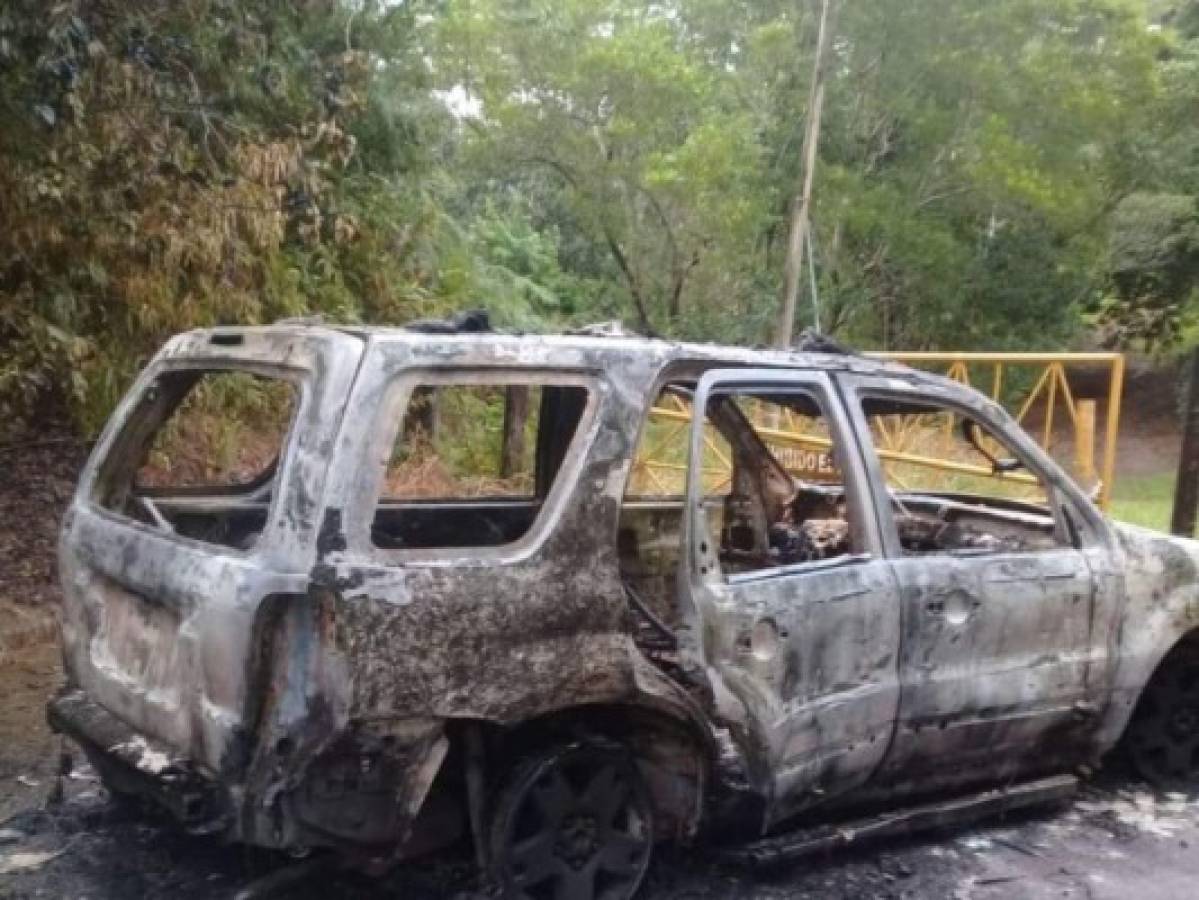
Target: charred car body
{"type": "Point", "coordinates": [563, 666]}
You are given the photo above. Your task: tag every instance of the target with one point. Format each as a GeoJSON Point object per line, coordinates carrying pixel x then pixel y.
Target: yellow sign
{"type": "Point", "coordinates": [807, 463]}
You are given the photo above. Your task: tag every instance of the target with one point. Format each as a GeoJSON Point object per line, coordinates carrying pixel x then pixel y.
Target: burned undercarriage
{"type": "Point", "coordinates": [424, 591]}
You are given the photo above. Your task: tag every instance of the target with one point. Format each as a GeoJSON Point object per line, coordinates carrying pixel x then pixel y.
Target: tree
{"type": "Point", "coordinates": [985, 173]}
{"type": "Point", "coordinates": [1154, 264]}
{"type": "Point", "coordinates": [174, 164]}
{"type": "Point", "coordinates": [603, 102]}
{"type": "Point", "coordinates": [1153, 250]}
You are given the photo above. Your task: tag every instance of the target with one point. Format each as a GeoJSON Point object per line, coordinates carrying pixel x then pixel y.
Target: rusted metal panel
{"type": "Point", "coordinates": [812, 841]}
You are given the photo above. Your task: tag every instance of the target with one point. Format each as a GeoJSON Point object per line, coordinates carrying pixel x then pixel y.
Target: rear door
{"type": "Point", "coordinates": [199, 503]}
{"type": "Point", "coordinates": [1006, 641]}
{"type": "Point", "coordinates": [794, 607]}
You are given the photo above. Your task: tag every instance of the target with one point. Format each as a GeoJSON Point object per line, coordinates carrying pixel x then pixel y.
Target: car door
{"type": "Point", "coordinates": [802, 656]}
{"type": "Point", "coordinates": [1005, 656]}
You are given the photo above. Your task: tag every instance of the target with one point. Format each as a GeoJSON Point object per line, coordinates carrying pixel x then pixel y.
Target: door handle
{"type": "Point", "coordinates": [955, 608]}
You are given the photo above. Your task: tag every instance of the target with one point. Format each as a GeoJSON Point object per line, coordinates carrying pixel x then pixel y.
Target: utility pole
{"type": "Point", "coordinates": [1186, 492]}
{"type": "Point", "coordinates": [802, 202]}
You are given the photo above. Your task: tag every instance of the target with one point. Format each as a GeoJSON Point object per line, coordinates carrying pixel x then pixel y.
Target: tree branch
{"type": "Point", "coordinates": [634, 287]}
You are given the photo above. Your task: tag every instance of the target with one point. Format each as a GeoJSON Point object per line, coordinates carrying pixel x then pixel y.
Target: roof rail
{"type": "Point", "coordinates": [611, 328]}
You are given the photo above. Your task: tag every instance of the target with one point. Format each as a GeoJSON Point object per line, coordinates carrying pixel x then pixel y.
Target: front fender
{"type": "Point", "coordinates": [1161, 576]}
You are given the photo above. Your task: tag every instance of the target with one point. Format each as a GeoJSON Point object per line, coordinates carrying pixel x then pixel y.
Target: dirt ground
{"type": "Point", "coordinates": [1117, 840]}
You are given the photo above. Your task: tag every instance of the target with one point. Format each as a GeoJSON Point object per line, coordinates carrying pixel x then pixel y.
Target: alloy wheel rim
{"type": "Point", "coordinates": [580, 830]}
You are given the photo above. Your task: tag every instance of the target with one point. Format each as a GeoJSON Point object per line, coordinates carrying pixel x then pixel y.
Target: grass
{"type": "Point", "coordinates": [1144, 500]}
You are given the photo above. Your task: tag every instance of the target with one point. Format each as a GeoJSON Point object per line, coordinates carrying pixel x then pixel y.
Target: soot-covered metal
{"type": "Point", "coordinates": [386, 677]}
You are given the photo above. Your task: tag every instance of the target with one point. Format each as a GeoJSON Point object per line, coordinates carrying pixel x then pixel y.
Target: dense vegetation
{"type": "Point", "coordinates": [991, 173]}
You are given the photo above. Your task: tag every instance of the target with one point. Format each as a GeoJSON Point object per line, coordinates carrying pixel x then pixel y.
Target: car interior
{"type": "Point", "coordinates": [760, 516]}
{"type": "Point", "coordinates": [955, 486]}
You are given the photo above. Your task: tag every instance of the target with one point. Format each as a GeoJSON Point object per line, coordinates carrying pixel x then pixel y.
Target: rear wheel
{"type": "Point", "coordinates": [1163, 737]}
{"type": "Point", "coordinates": [573, 823]}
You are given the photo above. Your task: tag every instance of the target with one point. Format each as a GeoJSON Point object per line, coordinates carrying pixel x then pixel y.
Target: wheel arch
{"type": "Point", "coordinates": [1159, 737]}
{"type": "Point", "coordinates": [673, 754]}
{"type": "Point", "coordinates": [1128, 694]}
{"type": "Point", "coordinates": [672, 749]}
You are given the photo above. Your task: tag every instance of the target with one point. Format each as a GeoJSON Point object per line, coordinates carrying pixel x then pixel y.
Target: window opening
{"type": "Point", "coordinates": [955, 484]}
{"type": "Point", "coordinates": [649, 536]}
{"type": "Point", "coordinates": [774, 493]}
{"type": "Point", "coordinates": [200, 455]}
{"type": "Point", "coordinates": [789, 505]}
{"type": "Point", "coordinates": [473, 462]}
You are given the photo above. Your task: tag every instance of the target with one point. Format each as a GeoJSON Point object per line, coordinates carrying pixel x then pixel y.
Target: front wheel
{"type": "Point", "coordinates": [573, 822]}
{"type": "Point", "coordinates": [1163, 737]}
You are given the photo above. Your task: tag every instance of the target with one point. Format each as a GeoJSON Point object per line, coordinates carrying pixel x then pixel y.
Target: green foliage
{"type": "Point", "coordinates": [1153, 256]}
{"type": "Point", "coordinates": [1154, 261]}
{"type": "Point", "coordinates": [990, 175]}
{"type": "Point", "coordinates": [969, 158]}
{"type": "Point", "coordinates": [174, 164]}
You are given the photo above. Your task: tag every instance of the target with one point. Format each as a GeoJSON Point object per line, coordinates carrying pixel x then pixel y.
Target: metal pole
{"type": "Point", "coordinates": [812, 278]}
{"type": "Point", "coordinates": [1084, 443]}
{"type": "Point", "coordinates": [1186, 491]}
{"type": "Point", "coordinates": [801, 204]}
{"type": "Point", "coordinates": [1114, 397]}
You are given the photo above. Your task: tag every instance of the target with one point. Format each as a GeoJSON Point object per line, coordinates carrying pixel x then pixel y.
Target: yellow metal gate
{"type": "Point", "coordinates": [1041, 397]}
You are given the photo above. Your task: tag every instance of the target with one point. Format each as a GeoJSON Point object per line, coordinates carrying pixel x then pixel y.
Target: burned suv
{"type": "Point", "coordinates": [556, 599]}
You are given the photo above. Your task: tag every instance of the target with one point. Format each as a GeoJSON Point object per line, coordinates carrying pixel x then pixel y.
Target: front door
{"type": "Point", "coordinates": [793, 608]}
{"type": "Point", "coordinates": [1005, 656]}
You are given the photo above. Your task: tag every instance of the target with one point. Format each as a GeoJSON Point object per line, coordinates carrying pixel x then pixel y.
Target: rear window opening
{"type": "Point", "coordinates": [200, 456]}
{"type": "Point", "coordinates": [473, 463]}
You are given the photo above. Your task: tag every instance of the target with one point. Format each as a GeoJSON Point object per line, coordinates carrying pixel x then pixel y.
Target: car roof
{"type": "Point", "coordinates": [605, 348]}
{"type": "Point", "coordinates": [600, 344]}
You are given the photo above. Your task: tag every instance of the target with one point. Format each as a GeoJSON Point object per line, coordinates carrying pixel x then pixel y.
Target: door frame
{"type": "Point", "coordinates": [852, 388]}
{"type": "Point", "coordinates": [859, 487]}
{"type": "Point", "coordinates": [709, 603]}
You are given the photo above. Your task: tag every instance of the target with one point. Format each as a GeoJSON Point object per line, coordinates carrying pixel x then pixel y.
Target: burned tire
{"type": "Point", "coordinates": [1163, 737]}
{"type": "Point", "coordinates": [572, 822]}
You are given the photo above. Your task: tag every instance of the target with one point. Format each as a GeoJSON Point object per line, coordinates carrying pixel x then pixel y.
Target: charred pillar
{"type": "Point", "coordinates": [1186, 493]}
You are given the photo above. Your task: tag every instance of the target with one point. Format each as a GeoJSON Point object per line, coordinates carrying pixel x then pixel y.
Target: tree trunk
{"type": "Point", "coordinates": [1186, 492]}
{"type": "Point", "coordinates": [516, 415]}
{"type": "Point", "coordinates": [801, 205]}
{"type": "Point", "coordinates": [420, 423]}
{"type": "Point", "coordinates": [634, 286]}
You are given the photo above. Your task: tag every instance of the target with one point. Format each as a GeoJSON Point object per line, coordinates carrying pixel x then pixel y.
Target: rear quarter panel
{"type": "Point", "coordinates": [156, 627]}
